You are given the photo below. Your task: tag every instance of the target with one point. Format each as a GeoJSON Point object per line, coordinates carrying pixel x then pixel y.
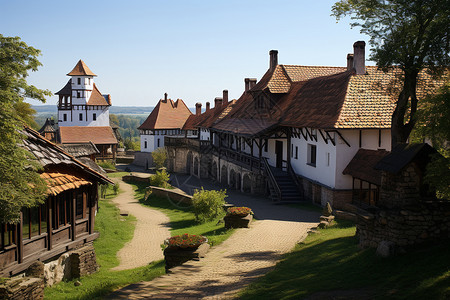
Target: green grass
{"type": "Point", "coordinates": [182, 219]}
{"type": "Point", "coordinates": [331, 261]}
{"type": "Point", "coordinates": [115, 231]}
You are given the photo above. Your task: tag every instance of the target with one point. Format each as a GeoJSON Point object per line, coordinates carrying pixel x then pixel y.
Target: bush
{"type": "Point", "coordinates": [103, 188]}
{"type": "Point", "coordinates": [159, 157]}
{"type": "Point", "coordinates": [208, 204]}
{"type": "Point", "coordinates": [160, 179]}
{"type": "Point", "coordinates": [107, 165]}
{"type": "Point", "coordinates": [116, 188]}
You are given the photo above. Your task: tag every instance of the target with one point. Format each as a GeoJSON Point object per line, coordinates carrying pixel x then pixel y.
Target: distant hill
{"type": "Point", "coordinates": [120, 110]}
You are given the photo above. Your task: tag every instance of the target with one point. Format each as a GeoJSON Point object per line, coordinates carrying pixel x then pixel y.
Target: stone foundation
{"type": "Point", "coordinates": [22, 288]}
{"type": "Point", "coordinates": [143, 159]}
{"type": "Point", "coordinates": [404, 226]}
{"type": "Point", "coordinates": [320, 194]}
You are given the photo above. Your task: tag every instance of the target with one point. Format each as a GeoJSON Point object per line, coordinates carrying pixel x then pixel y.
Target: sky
{"type": "Point", "coordinates": [192, 50]}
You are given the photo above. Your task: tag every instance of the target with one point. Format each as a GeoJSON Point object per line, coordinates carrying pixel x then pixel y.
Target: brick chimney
{"type": "Point", "coordinates": [165, 97]}
{"type": "Point", "coordinates": [273, 59]}
{"type": "Point", "coordinates": [225, 97]}
{"type": "Point", "coordinates": [217, 102]}
{"type": "Point", "coordinates": [207, 106]}
{"type": "Point", "coordinates": [252, 82]}
{"type": "Point", "coordinates": [198, 108]}
{"type": "Point", "coordinates": [359, 59]}
{"type": "Point", "coordinates": [247, 84]}
{"type": "Point", "coordinates": [349, 62]}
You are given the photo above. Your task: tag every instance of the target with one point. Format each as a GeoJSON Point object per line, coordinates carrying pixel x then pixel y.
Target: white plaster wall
{"type": "Point", "coordinates": [270, 154]}
{"type": "Point", "coordinates": [102, 117]}
{"type": "Point", "coordinates": [84, 86]}
{"type": "Point", "coordinates": [204, 134]}
{"type": "Point", "coordinates": [322, 172]}
{"type": "Point", "coordinates": [150, 142]}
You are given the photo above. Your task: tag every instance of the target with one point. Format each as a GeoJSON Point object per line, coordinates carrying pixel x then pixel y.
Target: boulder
{"type": "Point", "coordinates": [386, 249]}
{"type": "Point", "coordinates": [327, 210]}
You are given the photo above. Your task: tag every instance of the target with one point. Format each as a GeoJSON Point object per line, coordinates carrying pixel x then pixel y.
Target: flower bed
{"type": "Point", "coordinates": [185, 241]}
{"type": "Point", "coordinates": [239, 211]}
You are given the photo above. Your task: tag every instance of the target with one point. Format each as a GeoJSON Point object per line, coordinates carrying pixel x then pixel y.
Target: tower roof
{"type": "Point", "coordinates": [81, 69]}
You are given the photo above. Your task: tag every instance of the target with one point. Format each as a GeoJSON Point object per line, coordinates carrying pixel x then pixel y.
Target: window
{"type": "Point", "coordinates": [266, 145]}
{"type": "Point", "coordinates": [81, 117]}
{"type": "Point", "coordinates": [145, 144]}
{"type": "Point", "coordinates": [34, 221]}
{"type": "Point", "coordinates": [89, 81]}
{"type": "Point", "coordinates": [8, 235]}
{"type": "Point", "coordinates": [64, 117]}
{"type": "Point", "coordinates": [296, 152]}
{"type": "Point", "coordinates": [327, 158]}
{"type": "Point", "coordinates": [158, 142]}
{"type": "Point", "coordinates": [94, 117]}
{"type": "Point", "coordinates": [79, 80]}
{"type": "Point", "coordinates": [78, 95]}
{"type": "Point", "coordinates": [312, 153]}
{"type": "Point", "coordinates": [80, 206]}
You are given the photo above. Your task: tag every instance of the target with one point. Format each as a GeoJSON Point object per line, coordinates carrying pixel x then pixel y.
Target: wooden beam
{"type": "Point", "coordinates": [379, 137]}
{"type": "Point", "coordinates": [49, 223]}
{"type": "Point", "coordinates": [360, 138]}
{"type": "Point", "coordinates": [324, 139]}
{"type": "Point", "coordinates": [20, 239]}
{"type": "Point", "coordinates": [332, 140]}
{"type": "Point", "coordinates": [288, 146]}
{"type": "Point", "coordinates": [340, 135]}
{"type": "Point", "coordinates": [308, 134]}
{"type": "Point", "coordinates": [304, 135]}
{"type": "Point", "coordinates": [73, 221]}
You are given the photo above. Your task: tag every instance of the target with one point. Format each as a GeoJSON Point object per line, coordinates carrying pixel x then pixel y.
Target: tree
{"type": "Point", "coordinates": [408, 34]}
{"type": "Point", "coordinates": [159, 157]}
{"type": "Point", "coordinates": [20, 183]}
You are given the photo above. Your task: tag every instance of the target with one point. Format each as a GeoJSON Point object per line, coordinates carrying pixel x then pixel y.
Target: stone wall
{"type": "Point", "coordinates": [83, 261]}
{"type": "Point", "coordinates": [143, 159]}
{"type": "Point", "coordinates": [404, 226]}
{"type": "Point", "coordinates": [175, 195]}
{"type": "Point", "coordinates": [22, 288]}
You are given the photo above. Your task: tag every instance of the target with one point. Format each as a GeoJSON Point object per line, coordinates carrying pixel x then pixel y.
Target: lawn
{"type": "Point", "coordinates": [331, 261]}
{"type": "Point", "coordinates": [115, 231]}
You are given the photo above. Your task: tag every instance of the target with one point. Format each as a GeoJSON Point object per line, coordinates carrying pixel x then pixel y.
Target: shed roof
{"type": "Point", "coordinates": [362, 165]}
{"type": "Point", "coordinates": [167, 114]}
{"type": "Point", "coordinates": [85, 134]}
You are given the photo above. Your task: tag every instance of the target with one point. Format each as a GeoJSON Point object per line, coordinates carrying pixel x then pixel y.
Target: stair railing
{"type": "Point", "coordinates": [272, 180]}
{"type": "Point", "coordinates": [295, 178]}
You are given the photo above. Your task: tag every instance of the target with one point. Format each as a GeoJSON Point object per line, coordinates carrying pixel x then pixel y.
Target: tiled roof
{"type": "Point", "coordinates": [80, 150]}
{"type": "Point", "coordinates": [48, 126]}
{"type": "Point", "coordinates": [55, 160]}
{"type": "Point", "coordinates": [81, 69]}
{"type": "Point", "coordinates": [59, 182]}
{"type": "Point", "coordinates": [66, 90]}
{"type": "Point", "coordinates": [85, 134]}
{"type": "Point", "coordinates": [97, 98]}
{"type": "Point", "coordinates": [167, 114]}
{"type": "Point", "coordinates": [362, 165]}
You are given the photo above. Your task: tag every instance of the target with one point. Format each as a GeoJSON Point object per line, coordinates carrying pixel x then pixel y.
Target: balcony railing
{"type": "Point", "coordinates": [186, 142]}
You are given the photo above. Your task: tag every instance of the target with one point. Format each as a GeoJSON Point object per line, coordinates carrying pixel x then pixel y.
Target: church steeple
{"type": "Point", "coordinates": [82, 83]}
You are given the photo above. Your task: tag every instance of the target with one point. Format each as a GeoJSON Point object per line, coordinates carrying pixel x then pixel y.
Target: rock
{"type": "Point", "coordinates": [329, 219]}
{"type": "Point", "coordinates": [323, 224]}
{"type": "Point", "coordinates": [36, 270]}
{"type": "Point", "coordinates": [77, 283]}
{"type": "Point", "coordinates": [327, 210]}
{"type": "Point", "coordinates": [386, 249]}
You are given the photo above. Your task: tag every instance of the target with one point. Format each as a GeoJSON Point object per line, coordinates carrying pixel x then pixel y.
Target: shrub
{"type": "Point", "coordinates": [107, 165]}
{"type": "Point", "coordinates": [160, 179]}
{"type": "Point", "coordinates": [159, 157]}
{"type": "Point", "coordinates": [239, 211]}
{"type": "Point", "coordinates": [103, 188]}
{"type": "Point", "coordinates": [208, 204]}
{"type": "Point", "coordinates": [116, 188]}
{"type": "Point", "coordinates": [185, 241]}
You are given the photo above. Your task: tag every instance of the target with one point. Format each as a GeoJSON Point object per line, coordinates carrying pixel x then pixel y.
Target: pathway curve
{"type": "Point", "coordinates": [229, 267]}
{"type": "Point", "coordinates": [152, 228]}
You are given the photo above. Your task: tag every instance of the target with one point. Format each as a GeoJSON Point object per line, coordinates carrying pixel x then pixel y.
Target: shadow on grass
{"type": "Point", "coordinates": [337, 264]}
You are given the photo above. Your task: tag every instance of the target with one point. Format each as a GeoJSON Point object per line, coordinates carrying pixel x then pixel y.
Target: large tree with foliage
{"type": "Point", "coordinates": [20, 184]}
{"type": "Point", "coordinates": [409, 34]}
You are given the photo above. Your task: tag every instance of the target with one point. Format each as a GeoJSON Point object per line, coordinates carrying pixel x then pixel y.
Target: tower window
{"type": "Point", "coordinates": [94, 117]}
{"type": "Point", "coordinates": [312, 152]}
{"type": "Point", "coordinates": [145, 144]}
{"type": "Point", "coordinates": [81, 117]}
{"type": "Point", "coordinates": [79, 80]}
{"type": "Point", "coordinates": [78, 95]}
{"type": "Point", "coordinates": [158, 142]}
{"type": "Point", "coordinates": [64, 117]}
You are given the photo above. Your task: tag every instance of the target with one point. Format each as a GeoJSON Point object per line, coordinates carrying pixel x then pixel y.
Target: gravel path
{"type": "Point", "coordinates": [229, 267]}
{"type": "Point", "coordinates": [152, 228]}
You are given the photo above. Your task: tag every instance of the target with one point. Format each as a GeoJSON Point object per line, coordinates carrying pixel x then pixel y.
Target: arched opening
{"type": "Point", "coordinates": [214, 171]}
{"type": "Point", "coordinates": [224, 175]}
{"type": "Point", "coordinates": [238, 181]}
{"type": "Point", "coordinates": [232, 179]}
{"type": "Point", "coordinates": [189, 162]}
{"type": "Point", "coordinates": [196, 166]}
{"type": "Point", "coordinates": [247, 184]}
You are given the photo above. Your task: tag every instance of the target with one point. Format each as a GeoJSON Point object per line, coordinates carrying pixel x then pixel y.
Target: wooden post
{"type": "Point", "coordinates": [289, 133]}
{"type": "Point", "coordinates": [20, 239]}
{"type": "Point", "coordinates": [73, 224]}
{"type": "Point", "coordinates": [49, 223]}
{"type": "Point", "coordinates": [92, 200]}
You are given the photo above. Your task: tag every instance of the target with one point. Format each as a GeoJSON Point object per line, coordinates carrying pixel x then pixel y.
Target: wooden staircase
{"type": "Point", "coordinates": [283, 186]}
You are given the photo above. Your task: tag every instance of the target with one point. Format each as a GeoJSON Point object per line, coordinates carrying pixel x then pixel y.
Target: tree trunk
{"type": "Point", "coordinates": [400, 130]}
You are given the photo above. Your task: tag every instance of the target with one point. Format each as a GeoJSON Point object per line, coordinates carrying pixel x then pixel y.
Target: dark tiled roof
{"type": "Point", "coordinates": [85, 134]}
{"type": "Point", "coordinates": [403, 154]}
{"type": "Point", "coordinates": [362, 165]}
{"type": "Point", "coordinates": [48, 126]}
{"type": "Point", "coordinates": [80, 150]}
{"type": "Point", "coordinates": [167, 114]}
{"type": "Point", "coordinates": [81, 69]}
{"type": "Point", "coordinates": [66, 90]}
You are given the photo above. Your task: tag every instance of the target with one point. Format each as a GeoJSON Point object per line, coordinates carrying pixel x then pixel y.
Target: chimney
{"type": "Point", "coordinates": [165, 97]}
{"type": "Point", "coordinates": [198, 108]}
{"type": "Point", "coordinates": [225, 97]}
{"type": "Point", "coordinates": [359, 59]}
{"type": "Point", "coordinates": [349, 62]}
{"type": "Point", "coordinates": [217, 102]}
{"type": "Point", "coordinates": [273, 59]}
{"type": "Point", "coordinates": [247, 84]}
{"type": "Point", "coordinates": [252, 82]}
{"type": "Point", "coordinates": [207, 106]}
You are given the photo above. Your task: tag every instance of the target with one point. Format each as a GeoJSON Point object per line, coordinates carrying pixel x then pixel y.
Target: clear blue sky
{"type": "Point", "coordinates": [190, 49]}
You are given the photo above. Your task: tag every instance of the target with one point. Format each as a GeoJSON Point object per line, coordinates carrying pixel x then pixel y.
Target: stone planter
{"type": "Point", "coordinates": [177, 256]}
{"type": "Point", "coordinates": [233, 221]}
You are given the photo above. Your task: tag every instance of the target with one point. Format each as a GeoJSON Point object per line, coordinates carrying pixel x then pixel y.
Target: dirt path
{"type": "Point", "coordinates": [152, 227]}
{"type": "Point", "coordinates": [229, 267]}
